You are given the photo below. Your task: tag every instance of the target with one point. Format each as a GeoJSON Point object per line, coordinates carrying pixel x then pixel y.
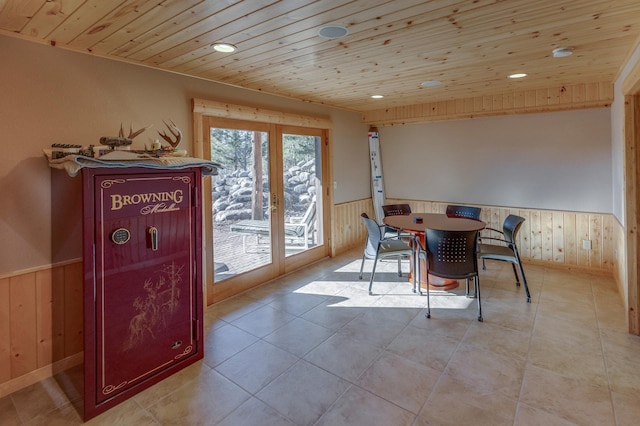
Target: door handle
{"type": "Point", "coordinates": [153, 237]}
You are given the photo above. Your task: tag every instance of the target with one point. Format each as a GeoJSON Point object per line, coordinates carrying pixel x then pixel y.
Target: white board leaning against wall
{"type": "Point", "coordinates": [377, 182]}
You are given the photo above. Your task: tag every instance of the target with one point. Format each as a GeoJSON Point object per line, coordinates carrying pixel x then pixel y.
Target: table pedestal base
{"type": "Point", "coordinates": [436, 283]}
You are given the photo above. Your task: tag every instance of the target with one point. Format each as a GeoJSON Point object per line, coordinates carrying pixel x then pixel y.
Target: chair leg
{"type": "Point", "coordinates": [416, 276]}
{"type": "Point", "coordinates": [428, 314]}
{"type": "Point", "coordinates": [468, 294]}
{"type": "Point", "coordinates": [399, 266]}
{"type": "Point", "coordinates": [524, 280]}
{"type": "Point", "coordinates": [362, 266]}
{"type": "Point", "coordinates": [373, 272]}
{"type": "Point", "coordinates": [477, 285]}
{"type": "Point", "coordinates": [515, 273]}
{"type": "Point", "coordinates": [415, 263]}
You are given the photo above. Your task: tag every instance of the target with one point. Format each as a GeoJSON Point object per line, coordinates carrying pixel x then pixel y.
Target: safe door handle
{"type": "Point", "coordinates": [153, 236]}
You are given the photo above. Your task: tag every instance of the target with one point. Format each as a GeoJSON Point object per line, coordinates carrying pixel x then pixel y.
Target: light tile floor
{"type": "Point", "coordinates": [313, 348]}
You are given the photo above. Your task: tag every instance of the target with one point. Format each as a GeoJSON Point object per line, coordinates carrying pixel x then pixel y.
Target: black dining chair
{"type": "Point", "coordinates": [379, 247]}
{"type": "Point", "coordinates": [468, 212]}
{"type": "Point", "coordinates": [451, 255]}
{"type": "Point", "coordinates": [506, 250]}
{"type": "Point", "coordinates": [395, 210]}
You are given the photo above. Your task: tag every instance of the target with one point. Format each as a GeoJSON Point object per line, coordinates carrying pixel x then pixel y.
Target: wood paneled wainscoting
{"type": "Point", "coordinates": [553, 238]}
{"type": "Point", "coordinates": [348, 230]}
{"type": "Point", "coordinates": [41, 325]}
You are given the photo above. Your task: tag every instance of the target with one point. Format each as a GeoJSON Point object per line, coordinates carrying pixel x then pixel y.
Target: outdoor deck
{"type": "Point", "coordinates": [230, 256]}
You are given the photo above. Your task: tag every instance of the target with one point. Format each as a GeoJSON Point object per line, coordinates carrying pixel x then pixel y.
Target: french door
{"type": "Point", "coordinates": [267, 214]}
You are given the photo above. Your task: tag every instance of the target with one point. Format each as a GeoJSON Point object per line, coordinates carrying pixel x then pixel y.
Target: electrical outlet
{"type": "Point", "coordinates": [586, 244]}
{"type": "Point", "coordinates": [347, 227]}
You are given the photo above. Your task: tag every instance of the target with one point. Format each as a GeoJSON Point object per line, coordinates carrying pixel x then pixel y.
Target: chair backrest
{"type": "Point", "coordinates": [306, 224]}
{"type": "Point", "coordinates": [468, 212]}
{"type": "Point", "coordinates": [451, 254]}
{"type": "Point", "coordinates": [374, 235]}
{"type": "Point", "coordinates": [396, 209]}
{"type": "Point", "coordinates": [511, 226]}
{"type": "Point", "coordinates": [310, 215]}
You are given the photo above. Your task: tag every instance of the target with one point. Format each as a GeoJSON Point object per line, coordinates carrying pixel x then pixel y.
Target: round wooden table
{"type": "Point", "coordinates": [411, 224]}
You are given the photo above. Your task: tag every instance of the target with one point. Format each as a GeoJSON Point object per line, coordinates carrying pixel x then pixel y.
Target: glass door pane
{"type": "Point", "coordinates": [302, 172]}
{"type": "Point", "coordinates": [241, 196]}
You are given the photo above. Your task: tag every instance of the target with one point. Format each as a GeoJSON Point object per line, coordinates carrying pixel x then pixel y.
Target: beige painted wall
{"type": "Point", "coordinates": [49, 95]}
{"type": "Point", "coordinates": [555, 161]}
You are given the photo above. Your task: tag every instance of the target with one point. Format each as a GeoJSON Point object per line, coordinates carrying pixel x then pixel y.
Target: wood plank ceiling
{"type": "Point", "coordinates": [391, 48]}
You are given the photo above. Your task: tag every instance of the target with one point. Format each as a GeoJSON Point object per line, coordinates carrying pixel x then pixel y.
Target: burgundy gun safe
{"type": "Point", "coordinates": [143, 306]}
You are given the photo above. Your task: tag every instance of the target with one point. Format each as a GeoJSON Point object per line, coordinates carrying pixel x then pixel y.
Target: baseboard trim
{"type": "Point", "coordinates": [568, 267]}
{"type": "Point", "coordinates": [42, 373]}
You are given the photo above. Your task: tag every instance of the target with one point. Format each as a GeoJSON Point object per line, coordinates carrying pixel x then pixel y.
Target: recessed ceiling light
{"type": "Point", "coordinates": [562, 52]}
{"type": "Point", "coordinates": [333, 31]}
{"type": "Point", "coordinates": [377, 96]}
{"type": "Point", "coordinates": [224, 47]}
{"type": "Point", "coordinates": [431, 83]}
{"type": "Point", "coordinates": [517, 75]}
